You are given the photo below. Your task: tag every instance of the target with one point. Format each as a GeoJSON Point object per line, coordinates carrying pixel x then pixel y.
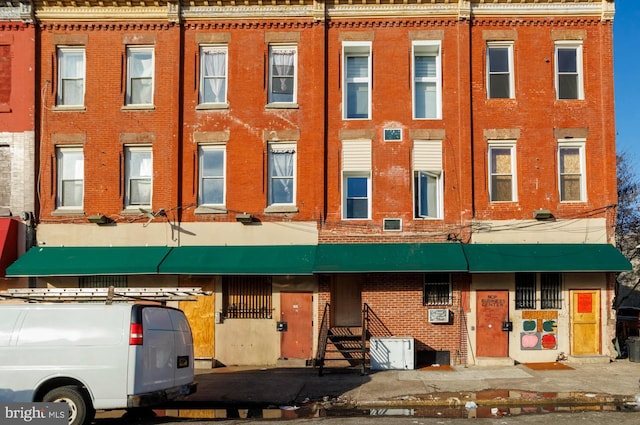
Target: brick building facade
{"type": "Point", "coordinates": [446, 168]}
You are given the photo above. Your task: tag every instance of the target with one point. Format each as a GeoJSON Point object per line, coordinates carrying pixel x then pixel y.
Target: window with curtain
{"type": "Point", "coordinates": [437, 289]}
{"type": "Point", "coordinates": [571, 175]}
{"type": "Point", "coordinates": [357, 76]}
{"type": "Point", "coordinates": [568, 57]}
{"type": "Point", "coordinates": [525, 291]}
{"type": "Point", "coordinates": [140, 76]}
{"type": "Point", "coordinates": [501, 173]}
{"type": "Point", "coordinates": [213, 74]}
{"type": "Point", "coordinates": [139, 173]}
{"type": "Point", "coordinates": [427, 80]}
{"type": "Point", "coordinates": [500, 70]}
{"type": "Point", "coordinates": [70, 177]}
{"type": "Point", "coordinates": [282, 171]}
{"type": "Point", "coordinates": [282, 81]}
{"type": "Point", "coordinates": [71, 76]}
{"type": "Point", "coordinates": [212, 175]}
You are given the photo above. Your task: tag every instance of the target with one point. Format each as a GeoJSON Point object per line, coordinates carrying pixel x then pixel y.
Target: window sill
{"type": "Point", "coordinates": [69, 108]}
{"type": "Point", "coordinates": [138, 108]}
{"type": "Point", "coordinates": [4, 107]}
{"type": "Point", "coordinates": [71, 211]}
{"type": "Point", "coordinates": [281, 105]}
{"type": "Point", "coordinates": [281, 209]}
{"type": "Point", "coordinates": [134, 210]}
{"type": "Point", "coordinates": [211, 106]}
{"type": "Point", "coordinates": [210, 210]}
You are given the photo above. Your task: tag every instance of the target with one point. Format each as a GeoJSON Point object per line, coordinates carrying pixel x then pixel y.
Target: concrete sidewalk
{"type": "Point", "coordinates": [609, 383]}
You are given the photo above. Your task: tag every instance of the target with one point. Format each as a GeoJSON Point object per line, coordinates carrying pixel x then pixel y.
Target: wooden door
{"type": "Point", "coordinates": [585, 322]}
{"type": "Point", "coordinates": [296, 309]}
{"type": "Point", "coordinates": [492, 309]}
{"type": "Point", "coordinates": [346, 301]}
{"type": "Point", "coordinates": [201, 316]}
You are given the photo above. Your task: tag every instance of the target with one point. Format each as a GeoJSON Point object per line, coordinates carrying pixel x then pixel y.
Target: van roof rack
{"type": "Point", "coordinates": [108, 295]}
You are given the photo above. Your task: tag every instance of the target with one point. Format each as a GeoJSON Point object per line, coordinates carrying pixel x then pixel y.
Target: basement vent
{"type": "Point", "coordinates": [392, 224]}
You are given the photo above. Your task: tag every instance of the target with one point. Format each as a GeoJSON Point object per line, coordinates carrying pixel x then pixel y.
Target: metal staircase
{"type": "Point", "coordinates": [347, 345]}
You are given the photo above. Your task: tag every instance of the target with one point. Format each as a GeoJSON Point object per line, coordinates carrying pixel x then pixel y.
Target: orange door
{"type": "Point", "coordinates": [585, 322]}
{"type": "Point", "coordinates": [493, 309]}
{"type": "Point", "coordinates": [296, 310]}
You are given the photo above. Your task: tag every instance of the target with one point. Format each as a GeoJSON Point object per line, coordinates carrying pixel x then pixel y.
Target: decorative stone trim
{"type": "Point", "coordinates": [570, 133]}
{"type": "Point", "coordinates": [211, 136]}
{"type": "Point", "coordinates": [502, 133]}
{"type": "Point", "coordinates": [68, 139]}
{"type": "Point", "coordinates": [132, 138]}
{"type": "Point", "coordinates": [427, 134]}
{"type": "Point", "coordinates": [275, 135]}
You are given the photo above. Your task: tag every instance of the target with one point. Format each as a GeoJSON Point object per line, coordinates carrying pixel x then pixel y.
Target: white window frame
{"type": "Point", "coordinates": [130, 177]}
{"type": "Point", "coordinates": [580, 146]}
{"type": "Point", "coordinates": [132, 74]}
{"type": "Point", "coordinates": [64, 75]}
{"type": "Point", "coordinates": [427, 48]}
{"type": "Point", "coordinates": [439, 207]}
{"type": "Point", "coordinates": [276, 149]}
{"type": "Point", "coordinates": [579, 73]}
{"type": "Point", "coordinates": [350, 50]}
{"type": "Point", "coordinates": [510, 71]}
{"type": "Point", "coordinates": [346, 175]}
{"type": "Point", "coordinates": [207, 77]}
{"type": "Point", "coordinates": [202, 150]}
{"type": "Point", "coordinates": [284, 49]}
{"type": "Point", "coordinates": [502, 145]}
{"type": "Point", "coordinates": [69, 170]}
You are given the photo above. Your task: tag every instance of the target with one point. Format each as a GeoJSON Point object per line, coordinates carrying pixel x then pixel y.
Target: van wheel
{"type": "Point", "coordinates": [80, 412]}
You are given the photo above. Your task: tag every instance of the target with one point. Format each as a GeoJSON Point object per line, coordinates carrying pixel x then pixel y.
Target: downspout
{"type": "Point", "coordinates": [325, 112]}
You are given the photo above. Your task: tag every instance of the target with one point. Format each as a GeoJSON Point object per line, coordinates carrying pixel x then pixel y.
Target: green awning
{"type": "Point", "coordinates": [413, 257]}
{"type": "Point", "coordinates": [240, 260]}
{"type": "Point", "coordinates": [85, 261]}
{"type": "Point", "coordinates": [508, 258]}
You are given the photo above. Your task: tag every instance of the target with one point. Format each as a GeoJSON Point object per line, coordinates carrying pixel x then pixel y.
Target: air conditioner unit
{"type": "Point", "coordinates": [439, 315]}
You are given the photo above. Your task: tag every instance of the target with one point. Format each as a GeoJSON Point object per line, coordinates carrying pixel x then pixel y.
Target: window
{"type": "Point", "coordinates": [213, 74]}
{"type": "Point", "coordinates": [525, 291]}
{"type": "Point", "coordinates": [119, 281]}
{"type": "Point", "coordinates": [437, 289]}
{"type": "Point", "coordinates": [357, 195]}
{"type": "Point", "coordinates": [550, 291]}
{"type": "Point", "coordinates": [356, 179]}
{"type": "Point", "coordinates": [70, 178]}
{"type": "Point", "coordinates": [247, 297]}
{"type": "Point", "coordinates": [427, 80]}
{"type": "Point", "coordinates": [571, 171]}
{"type": "Point", "coordinates": [71, 75]}
{"type": "Point", "coordinates": [357, 80]}
{"type": "Point", "coordinates": [282, 172]}
{"type": "Point", "coordinates": [427, 179]}
{"type": "Point", "coordinates": [500, 70]}
{"type": "Point", "coordinates": [502, 187]}
{"type": "Point", "coordinates": [282, 78]}
{"type": "Point", "coordinates": [212, 174]}
{"type": "Point", "coordinates": [139, 171]}
{"type": "Point", "coordinates": [569, 70]}
{"type": "Point", "coordinates": [139, 76]}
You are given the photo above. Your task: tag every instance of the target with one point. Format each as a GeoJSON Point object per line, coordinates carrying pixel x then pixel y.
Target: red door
{"type": "Point", "coordinates": [296, 310]}
{"type": "Point", "coordinates": [493, 309]}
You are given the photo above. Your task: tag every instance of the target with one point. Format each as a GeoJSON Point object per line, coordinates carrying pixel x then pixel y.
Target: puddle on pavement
{"type": "Point", "coordinates": [315, 410]}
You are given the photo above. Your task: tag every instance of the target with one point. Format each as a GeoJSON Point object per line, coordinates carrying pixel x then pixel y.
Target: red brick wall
{"type": "Point", "coordinates": [99, 127]}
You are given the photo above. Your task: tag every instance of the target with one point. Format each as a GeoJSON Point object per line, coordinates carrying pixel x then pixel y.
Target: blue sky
{"type": "Point", "coordinates": [626, 60]}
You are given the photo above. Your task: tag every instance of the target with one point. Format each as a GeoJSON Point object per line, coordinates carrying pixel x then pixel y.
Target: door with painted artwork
{"type": "Point", "coordinates": [585, 321]}
{"type": "Point", "coordinates": [493, 309]}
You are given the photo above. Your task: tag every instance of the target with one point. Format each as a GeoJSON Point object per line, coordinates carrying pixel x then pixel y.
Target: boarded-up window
{"type": "Point", "coordinates": [247, 297]}
{"type": "Point", "coordinates": [5, 74]}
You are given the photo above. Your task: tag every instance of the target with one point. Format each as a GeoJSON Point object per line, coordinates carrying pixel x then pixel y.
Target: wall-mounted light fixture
{"type": "Point", "coordinates": [244, 218]}
{"type": "Point", "coordinates": [99, 219]}
{"type": "Point", "coordinates": [542, 214]}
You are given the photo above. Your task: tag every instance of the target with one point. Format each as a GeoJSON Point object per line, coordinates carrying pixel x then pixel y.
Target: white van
{"type": "Point", "coordinates": [94, 356]}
